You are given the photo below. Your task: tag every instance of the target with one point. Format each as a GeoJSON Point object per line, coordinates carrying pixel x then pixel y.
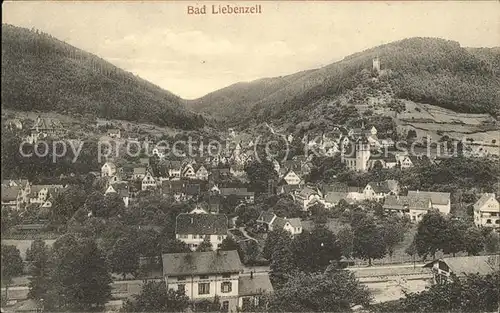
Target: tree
{"type": "Point", "coordinates": [393, 233]}
{"type": "Point", "coordinates": [431, 234]}
{"type": "Point", "coordinates": [368, 240]}
{"type": "Point", "coordinates": [154, 297]}
{"type": "Point", "coordinates": [455, 231]}
{"type": "Point", "coordinates": [12, 265]}
{"type": "Point", "coordinates": [345, 238]}
{"type": "Point", "coordinates": [319, 214]}
{"type": "Point", "coordinates": [228, 244]}
{"type": "Point", "coordinates": [174, 246]}
{"type": "Point", "coordinates": [473, 241]}
{"type": "Point", "coordinates": [38, 257]}
{"type": "Point", "coordinates": [313, 251]}
{"type": "Point", "coordinates": [250, 251]}
{"type": "Point", "coordinates": [492, 242]}
{"type": "Point", "coordinates": [79, 276]}
{"type": "Point", "coordinates": [205, 245]}
{"type": "Point", "coordinates": [474, 293]}
{"type": "Point", "coordinates": [208, 306]}
{"type": "Point", "coordinates": [276, 238]}
{"type": "Point", "coordinates": [259, 174]}
{"type": "Point", "coordinates": [286, 207]}
{"type": "Point", "coordinates": [332, 291]}
{"type": "Point", "coordinates": [106, 206]}
{"type": "Point", "coordinates": [66, 204]}
{"type": "Point", "coordinates": [123, 257]}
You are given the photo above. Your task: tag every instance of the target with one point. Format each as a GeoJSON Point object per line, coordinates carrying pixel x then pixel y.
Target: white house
{"type": "Point", "coordinates": [204, 275]}
{"type": "Point", "coordinates": [292, 225]}
{"type": "Point", "coordinates": [202, 173]}
{"type": "Point", "coordinates": [292, 178]}
{"type": "Point", "coordinates": [108, 169]}
{"type": "Point", "coordinates": [148, 182]}
{"type": "Point", "coordinates": [487, 211]}
{"type": "Point", "coordinates": [194, 228]}
{"type": "Point", "coordinates": [438, 200]}
{"type": "Point", "coordinates": [122, 190]}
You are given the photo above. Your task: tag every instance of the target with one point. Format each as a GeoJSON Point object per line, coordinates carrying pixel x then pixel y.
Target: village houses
{"type": "Point", "coordinates": [194, 228]}
{"type": "Point", "coordinates": [487, 211]}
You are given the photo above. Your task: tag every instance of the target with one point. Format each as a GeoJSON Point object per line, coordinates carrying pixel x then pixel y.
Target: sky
{"type": "Point", "coordinates": [192, 55]}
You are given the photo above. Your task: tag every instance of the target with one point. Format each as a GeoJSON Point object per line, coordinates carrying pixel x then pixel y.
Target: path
{"type": "Point", "coordinates": [244, 232]}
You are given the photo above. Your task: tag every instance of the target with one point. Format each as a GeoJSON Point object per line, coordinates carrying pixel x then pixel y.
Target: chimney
{"type": "Point", "coordinates": [251, 275]}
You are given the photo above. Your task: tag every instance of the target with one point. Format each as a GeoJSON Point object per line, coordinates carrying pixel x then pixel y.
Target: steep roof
{"type": "Point", "coordinates": [196, 263]}
{"type": "Point", "coordinates": [295, 222]}
{"type": "Point", "coordinates": [235, 191]}
{"type": "Point", "coordinates": [201, 224]}
{"type": "Point", "coordinates": [306, 192]}
{"type": "Point", "coordinates": [380, 187]}
{"type": "Point", "coordinates": [10, 193]}
{"type": "Point", "coordinates": [256, 285]}
{"type": "Point", "coordinates": [266, 217]}
{"type": "Point", "coordinates": [139, 171]}
{"type": "Point", "coordinates": [483, 265]}
{"type": "Point", "coordinates": [335, 196]}
{"type": "Point", "coordinates": [395, 202]}
{"type": "Point", "coordinates": [485, 197]}
{"type": "Point", "coordinates": [279, 223]}
{"type": "Point", "coordinates": [440, 198]}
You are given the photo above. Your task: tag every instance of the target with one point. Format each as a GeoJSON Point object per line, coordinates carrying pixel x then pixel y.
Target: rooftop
{"type": "Point", "coordinates": [196, 263]}
{"type": "Point", "coordinates": [201, 224]}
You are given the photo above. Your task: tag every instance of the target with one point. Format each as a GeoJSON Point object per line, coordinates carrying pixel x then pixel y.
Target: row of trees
{"type": "Point", "coordinates": [73, 275]}
{"type": "Point", "coordinates": [437, 233]}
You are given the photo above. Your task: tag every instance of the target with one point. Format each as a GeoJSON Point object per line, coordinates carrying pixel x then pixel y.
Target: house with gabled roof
{"type": "Point", "coordinates": [306, 196]}
{"type": "Point", "coordinates": [266, 218]}
{"type": "Point", "coordinates": [379, 190]}
{"type": "Point", "coordinates": [11, 197]}
{"type": "Point", "coordinates": [201, 172]}
{"type": "Point", "coordinates": [291, 178]}
{"type": "Point", "coordinates": [114, 133]}
{"type": "Point", "coordinates": [487, 211]}
{"type": "Point", "coordinates": [122, 190]}
{"type": "Point", "coordinates": [174, 188]}
{"type": "Point", "coordinates": [194, 228]}
{"type": "Point", "coordinates": [204, 275]}
{"type": "Point", "coordinates": [291, 225]}
{"type": "Point", "coordinates": [188, 171]}
{"type": "Point", "coordinates": [148, 181]}
{"type": "Point", "coordinates": [438, 200]}
{"type": "Point", "coordinates": [332, 198]}
{"type": "Point", "coordinates": [461, 266]}
{"type": "Point", "coordinates": [139, 172]}
{"type": "Point", "coordinates": [241, 193]}
{"type": "Point", "coordinates": [108, 169]}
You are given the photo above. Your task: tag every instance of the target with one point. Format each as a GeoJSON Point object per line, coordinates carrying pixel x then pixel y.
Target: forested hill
{"type": "Point", "coordinates": [42, 73]}
{"type": "Point", "coordinates": [428, 70]}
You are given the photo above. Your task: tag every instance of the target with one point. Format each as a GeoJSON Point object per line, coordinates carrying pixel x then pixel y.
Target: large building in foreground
{"type": "Point", "coordinates": [204, 275]}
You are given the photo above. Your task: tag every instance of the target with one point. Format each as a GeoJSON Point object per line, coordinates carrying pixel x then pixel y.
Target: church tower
{"type": "Point", "coordinates": [362, 154]}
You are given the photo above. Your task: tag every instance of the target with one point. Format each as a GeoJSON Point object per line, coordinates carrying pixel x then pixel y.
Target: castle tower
{"type": "Point", "coordinates": [362, 154]}
{"type": "Point", "coordinates": [376, 64]}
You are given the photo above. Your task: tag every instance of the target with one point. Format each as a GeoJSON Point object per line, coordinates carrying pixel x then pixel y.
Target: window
{"type": "Point", "coordinates": [183, 236]}
{"type": "Point", "coordinates": [203, 276]}
{"type": "Point", "coordinates": [226, 287]}
{"type": "Point", "coordinates": [488, 221]}
{"type": "Point", "coordinates": [203, 288]}
{"type": "Point", "coordinates": [246, 302]}
{"type": "Point", "coordinates": [497, 222]}
{"type": "Point", "coordinates": [225, 306]}
{"type": "Point", "coordinates": [181, 287]}
{"type": "Point", "coordinates": [219, 238]}
{"type": "Point", "coordinates": [226, 275]}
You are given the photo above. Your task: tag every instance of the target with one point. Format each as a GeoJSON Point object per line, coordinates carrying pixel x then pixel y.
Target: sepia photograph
{"type": "Point", "coordinates": [250, 156]}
